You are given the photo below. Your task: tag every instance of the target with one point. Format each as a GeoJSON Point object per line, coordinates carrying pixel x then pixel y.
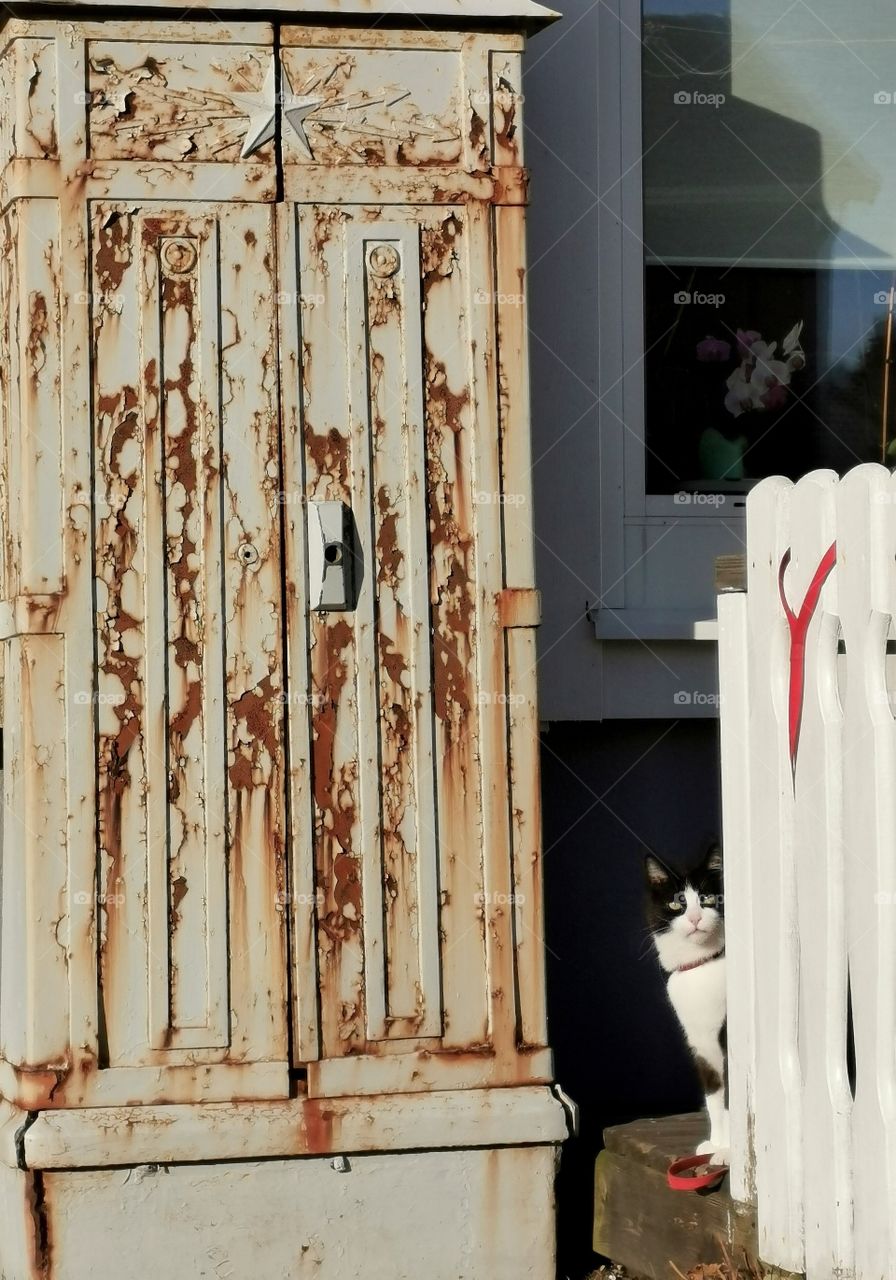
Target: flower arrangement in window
{"type": "Point", "coordinates": [759, 383]}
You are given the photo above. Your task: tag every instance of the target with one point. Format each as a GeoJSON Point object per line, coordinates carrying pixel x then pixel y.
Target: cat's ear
{"type": "Point", "coordinates": [657, 875]}
{"type": "Point", "coordinates": [713, 860]}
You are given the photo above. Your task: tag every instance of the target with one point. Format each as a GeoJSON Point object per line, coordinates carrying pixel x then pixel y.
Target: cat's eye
{"type": "Point", "coordinates": [708, 899]}
{"type": "Point", "coordinates": [676, 904]}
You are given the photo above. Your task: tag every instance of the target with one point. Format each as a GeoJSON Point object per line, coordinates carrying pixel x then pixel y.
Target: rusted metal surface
{"type": "Point", "coordinates": [199, 367]}
{"type": "Point", "coordinates": [152, 101]}
{"type": "Point", "coordinates": [28, 118]}
{"type": "Point", "coordinates": [299, 1127]}
{"type": "Point", "coordinates": [404, 681]}
{"type": "Point", "coordinates": [520, 603]}
{"type": "Point", "coordinates": [240, 1218]}
{"type": "Point", "coordinates": [374, 107]}
{"type": "Point", "coordinates": [190, 782]}
{"type": "Point", "coordinates": [525, 14]}
{"type": "Point", "coordinates": [519, 607]}
{"type": "Point", "coordinates": [507, 97]}
{"type": "Point", "coordinates": [449, 421]}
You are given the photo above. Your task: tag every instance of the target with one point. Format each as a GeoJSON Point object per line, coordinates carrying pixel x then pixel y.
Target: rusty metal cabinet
{"type": "Point", "coordinates": [270, 831]}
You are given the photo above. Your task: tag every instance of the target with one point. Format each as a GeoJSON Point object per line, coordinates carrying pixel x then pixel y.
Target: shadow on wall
{"type": "Point", "coordinates": [610, 789]}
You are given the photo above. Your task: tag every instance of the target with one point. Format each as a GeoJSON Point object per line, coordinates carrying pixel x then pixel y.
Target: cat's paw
{"type": "Point", "coordinates": [720, 1155]}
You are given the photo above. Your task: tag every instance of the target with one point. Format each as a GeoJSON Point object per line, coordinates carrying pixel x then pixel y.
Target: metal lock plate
{"type": "Point", "coordinates": [331, 558]}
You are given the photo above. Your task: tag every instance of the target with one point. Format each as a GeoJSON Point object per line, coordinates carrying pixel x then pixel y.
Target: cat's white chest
{"type": "Point", "coordinates": [698, 996]}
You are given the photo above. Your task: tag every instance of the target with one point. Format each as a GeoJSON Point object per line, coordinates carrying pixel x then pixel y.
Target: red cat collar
{"type": "Point", "coordinates": [695, 964]}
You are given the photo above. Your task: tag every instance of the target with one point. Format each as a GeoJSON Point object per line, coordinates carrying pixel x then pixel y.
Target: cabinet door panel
{"type": "Point", "coordinates": [190, 690]}
{"type": "Point", "coordinates": [389, 322]}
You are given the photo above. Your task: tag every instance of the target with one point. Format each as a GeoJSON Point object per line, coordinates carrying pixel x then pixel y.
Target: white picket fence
{"type": "Point", "coordinates": [809, 789]}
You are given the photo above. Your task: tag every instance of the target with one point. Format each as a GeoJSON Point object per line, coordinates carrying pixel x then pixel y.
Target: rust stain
{"type": "Point", "coordinates": [38, 332]}
{"type": "Point", "coordinates": [317, 1126]}
{"type": "Point", "coordinates": [257, 709]}
{"type": "Point", "coordinates": [47, 146]}
{"type": "Point", "coordinates": [165, 109]}
{"type": "Point", "coordinates": [390, 557]}
{"type": "Point", "coordinates": [506, 140]}
{"type": "Point", "coordinates": [383, 303]}
{"type": "Point", "coordinates": [330, 454]}
{"type": "Point", "coordinates": [114, 250]}
{"type": "Point", "coordinates": [394, 663]}
{"type": "Point", "coordinates": [179, 890]}
{"type": "Point", "coordinates": [324, 222]}
{"type": "Point", "coordinates": [453, 591]}
{"type": "Point", "coordinates": [118, 425]}
{"type": "Point", "coordinates": [519, 607]}
{"type": "Point", "coordinates": [335, 781]}
{"type": "Point", "coordinates": [478, 136]}
{"type": "Point", "coordinates": [439, 251]}
{"type": "Point", "coordinates": [40, 1237]}
{"type": "Point", "coordinates": [330, 683]}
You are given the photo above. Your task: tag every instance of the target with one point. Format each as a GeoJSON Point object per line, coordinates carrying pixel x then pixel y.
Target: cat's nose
{"type": "Point", "coordinates": [695, 917]}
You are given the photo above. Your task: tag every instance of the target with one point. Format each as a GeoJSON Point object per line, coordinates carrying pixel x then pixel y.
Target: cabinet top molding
{"type": "Point", "coordinates": [522, 13]}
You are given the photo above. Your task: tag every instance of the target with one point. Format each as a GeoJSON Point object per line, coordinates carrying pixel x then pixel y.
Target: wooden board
{"type": "Point", "coordinates": [643, 1225]}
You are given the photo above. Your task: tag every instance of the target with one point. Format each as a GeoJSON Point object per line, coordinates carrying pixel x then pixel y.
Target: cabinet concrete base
{"type": "Point", "coordinates": [485, 1214]}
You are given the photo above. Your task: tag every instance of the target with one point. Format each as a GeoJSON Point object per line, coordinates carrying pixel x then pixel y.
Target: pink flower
{"type": "Point", "coordinates": [745, 340]}
{"type": "Point", "coordinates": [713, 350]}
{"type": "Point", "coordinates": [775, 397]}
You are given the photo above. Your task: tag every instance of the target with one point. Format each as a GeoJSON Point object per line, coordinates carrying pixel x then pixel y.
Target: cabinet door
{"type": "Point", "coordinates": [189, 694]}
{"type": "Point", "coordinates": [405, 784]}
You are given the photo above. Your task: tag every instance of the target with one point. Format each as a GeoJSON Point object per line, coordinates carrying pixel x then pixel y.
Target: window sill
{"type": "Point", "coordinates": [653, 624]}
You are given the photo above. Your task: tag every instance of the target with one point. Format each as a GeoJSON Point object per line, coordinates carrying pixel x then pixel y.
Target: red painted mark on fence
{"type": "Point", "coordinates": [799, 629]}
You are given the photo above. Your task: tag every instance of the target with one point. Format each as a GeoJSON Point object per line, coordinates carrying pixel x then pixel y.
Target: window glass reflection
{"type": "Point", "coordinates": [769, 238]}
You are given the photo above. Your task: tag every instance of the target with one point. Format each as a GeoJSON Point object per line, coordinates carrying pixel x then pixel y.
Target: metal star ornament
{"type": "Point", "coordinates": [261, 108]}
{"type": "Point", "coordinates": [296, 110]}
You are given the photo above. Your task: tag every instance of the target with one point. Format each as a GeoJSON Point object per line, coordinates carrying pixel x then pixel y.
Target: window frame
{"type": "Point", "coordinates": [629, 515]}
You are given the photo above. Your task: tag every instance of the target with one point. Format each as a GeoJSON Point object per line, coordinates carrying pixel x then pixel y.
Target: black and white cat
{"type": "Point", "coordinates": [686, 916]}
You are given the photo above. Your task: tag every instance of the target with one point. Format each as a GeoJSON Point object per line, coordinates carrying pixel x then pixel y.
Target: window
{"type": "Point", "coordinates": [769, 230]}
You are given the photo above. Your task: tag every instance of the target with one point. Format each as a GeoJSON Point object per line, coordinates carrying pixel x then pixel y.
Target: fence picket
{"type": "Point", "coordinates": [737, 765]}
{"type": "Point", "coordinates": [821, 917]}
{"type": "Point", "coordinates": [866, 538]}
{"type": "Point", "coordinates": [810, 834]}
{"type": "Point", "coordinates": [778, 1116]}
